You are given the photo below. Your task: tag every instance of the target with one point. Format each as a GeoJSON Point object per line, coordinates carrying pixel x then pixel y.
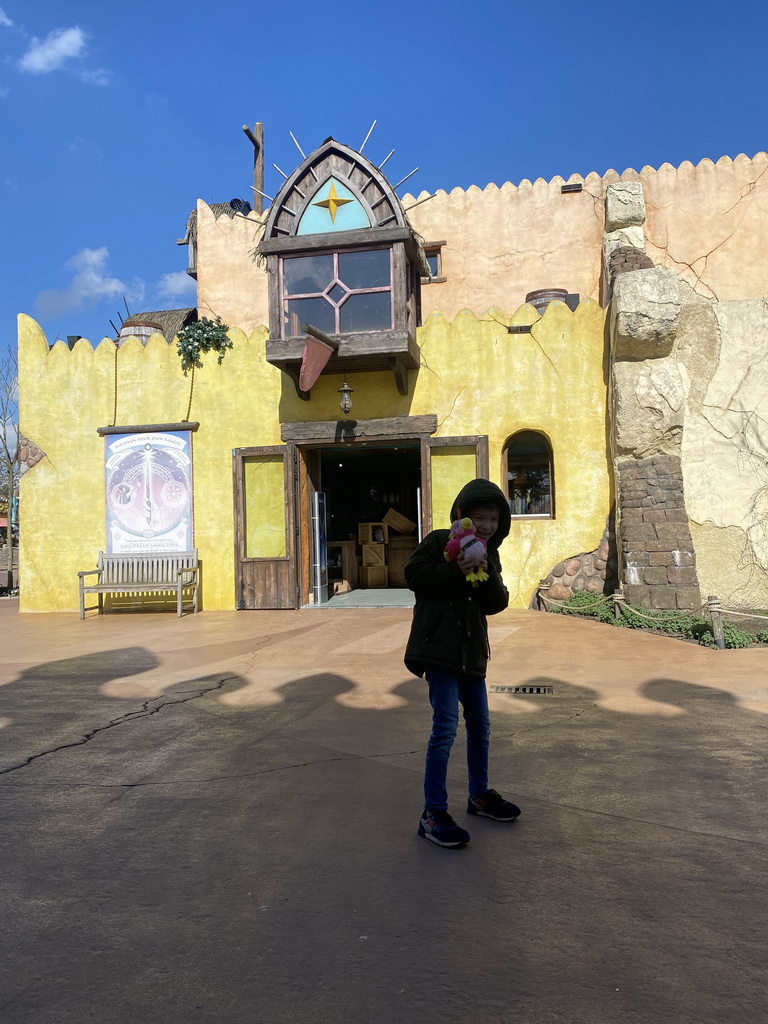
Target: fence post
{"type": "Point", "coordinates": [543, 585]}
{"type": "Point", "coordinates": [618, 599]}
{"type": "Point", "coordinates": [716, 614]}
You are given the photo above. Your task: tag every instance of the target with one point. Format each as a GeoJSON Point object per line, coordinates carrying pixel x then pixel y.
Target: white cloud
{"type": "Point", "coordinates": [4, 19]}
{"type": "Point", "coordinates": [59, 46]}
{"type": "Point", "coordinates": [4, 92]}
{"type": "Point", "coordinates": [96, 76]}
{"type": "Point", "coordinates": [176, 285]}
{"type": "Point", "coordinates": [91, 283]}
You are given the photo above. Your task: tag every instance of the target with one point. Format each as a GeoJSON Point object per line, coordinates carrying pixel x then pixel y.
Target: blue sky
{"type": "Point", "coordinates": [117, 117]}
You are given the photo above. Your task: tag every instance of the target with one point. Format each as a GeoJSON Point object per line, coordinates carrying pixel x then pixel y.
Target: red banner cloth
{"type": "Point", "coordinates": [316, 355]}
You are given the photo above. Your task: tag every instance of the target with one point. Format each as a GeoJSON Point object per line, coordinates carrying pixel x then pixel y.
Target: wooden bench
{"type": "Point", "coordinates": [142, 574]}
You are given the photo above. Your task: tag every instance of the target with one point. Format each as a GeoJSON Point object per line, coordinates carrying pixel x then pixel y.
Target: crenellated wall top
{"type": "Point", "coordinates": [759, 160]}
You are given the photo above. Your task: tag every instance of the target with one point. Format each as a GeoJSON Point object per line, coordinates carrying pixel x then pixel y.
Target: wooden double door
{"type": "Point", "coordinates": [273, 486]}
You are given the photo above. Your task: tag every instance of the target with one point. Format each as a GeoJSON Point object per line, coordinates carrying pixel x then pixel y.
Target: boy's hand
{"type": "Point", "coordinates": [468, 563]}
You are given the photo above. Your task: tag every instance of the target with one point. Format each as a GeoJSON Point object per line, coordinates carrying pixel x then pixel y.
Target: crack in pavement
{"type": "Point", "coordinates": [148, 708]}
{"type": "Point", "coordinates": [560, 805]}
{"type": "Point", "coordinates": [223, 778]}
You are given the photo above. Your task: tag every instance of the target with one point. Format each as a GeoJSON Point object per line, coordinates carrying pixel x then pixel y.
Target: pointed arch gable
{"type": "Point", "coordinates": [357, 174]}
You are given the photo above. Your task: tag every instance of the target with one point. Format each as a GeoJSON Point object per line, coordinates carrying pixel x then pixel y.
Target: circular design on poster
{"type": "Point", "coordinates": [148, 493]}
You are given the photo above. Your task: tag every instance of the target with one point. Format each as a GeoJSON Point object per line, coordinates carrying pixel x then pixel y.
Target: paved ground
{"type": "Point", "coordinates": [213, 819]}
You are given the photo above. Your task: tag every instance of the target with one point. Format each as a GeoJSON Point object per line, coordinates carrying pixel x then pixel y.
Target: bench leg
{"type": "Point", "coordinates": [179, 591]}
{"type": "Point", "coordinates": [82, 604]}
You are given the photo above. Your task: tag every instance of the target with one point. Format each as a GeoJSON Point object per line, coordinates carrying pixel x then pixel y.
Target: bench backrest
{"type": "Point", "coordinates": [147, 568]}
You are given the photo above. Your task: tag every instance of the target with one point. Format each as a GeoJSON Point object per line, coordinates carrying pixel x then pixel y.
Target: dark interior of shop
{"type": "Point", "coordinates": [361, 485]}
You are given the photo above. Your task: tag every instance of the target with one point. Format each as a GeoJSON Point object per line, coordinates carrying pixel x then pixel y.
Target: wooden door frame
{"type": "Point", "coordinates": [477, 441]}
{"type": "Point", "coordinates": [290, 475]}
{"type": "Point", "coordinates": [313, 444]}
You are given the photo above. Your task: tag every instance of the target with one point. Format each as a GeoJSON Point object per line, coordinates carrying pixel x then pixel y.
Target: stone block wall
{"type": "Point", "coordinates": [659, 561]}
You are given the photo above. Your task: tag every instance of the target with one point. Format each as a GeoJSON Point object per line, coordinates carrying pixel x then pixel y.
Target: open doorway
{"type": "Point", "coordinates": [372, 514]}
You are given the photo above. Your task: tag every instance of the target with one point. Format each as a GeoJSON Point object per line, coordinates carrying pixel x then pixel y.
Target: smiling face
{"type": "Point", "coordinates": [485, 519]}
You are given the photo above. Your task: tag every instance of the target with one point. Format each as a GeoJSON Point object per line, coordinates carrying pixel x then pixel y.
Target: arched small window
{"type": "Point", "coordinates": [528, 475]}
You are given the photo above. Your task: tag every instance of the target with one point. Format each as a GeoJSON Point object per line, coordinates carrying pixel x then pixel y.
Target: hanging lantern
{"type": "Point", "coordinates": [345, 403]}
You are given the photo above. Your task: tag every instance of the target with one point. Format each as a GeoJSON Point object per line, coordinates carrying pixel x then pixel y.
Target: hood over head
{"type": "Point", "coordinates": [484, 492]}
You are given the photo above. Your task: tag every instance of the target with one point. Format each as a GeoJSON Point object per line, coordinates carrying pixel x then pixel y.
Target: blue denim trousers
{"type": "Point", "coordinates": [445, 694]}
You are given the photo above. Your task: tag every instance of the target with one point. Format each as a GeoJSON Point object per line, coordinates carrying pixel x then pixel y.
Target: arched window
{"type": "Point", "coordinates": [527, 471]}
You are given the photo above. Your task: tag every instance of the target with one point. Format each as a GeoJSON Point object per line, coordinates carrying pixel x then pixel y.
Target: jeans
{"type": "Point", "coordinates": [445, 693]}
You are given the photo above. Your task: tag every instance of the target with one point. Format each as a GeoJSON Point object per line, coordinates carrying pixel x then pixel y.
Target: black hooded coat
{"type": "Point", "coordinates": [449, 631]}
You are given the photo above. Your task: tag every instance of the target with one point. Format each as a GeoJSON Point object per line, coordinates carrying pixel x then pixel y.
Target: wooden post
{"type": "Point", "coordinates": [257, 138]}
{"type": "Point", "coordinates": [618, 599]}
{"type": "Point", "coordinates": [716, 614]}
{"type": "Point", "coordinates": [543, 586]}
{"type": "Point", "coordinates": [315, 332]}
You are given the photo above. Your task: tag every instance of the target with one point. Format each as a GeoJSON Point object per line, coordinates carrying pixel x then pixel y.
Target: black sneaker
{"type": "Point", "coordinates": [491, 805]}
{"type": "Point", "coordinates": [440, 827]}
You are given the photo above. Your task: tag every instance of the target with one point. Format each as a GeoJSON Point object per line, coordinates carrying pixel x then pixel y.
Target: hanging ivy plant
{"type": "Point", "coordinates": [204, 336]}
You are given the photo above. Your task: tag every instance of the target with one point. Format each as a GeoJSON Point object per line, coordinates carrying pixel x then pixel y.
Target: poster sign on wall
{"type": "Point", "coordinates": [149, 492]}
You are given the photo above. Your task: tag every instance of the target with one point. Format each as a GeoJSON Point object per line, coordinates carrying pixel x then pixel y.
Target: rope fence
{"type": "Point", "coordinates": [711, 608]}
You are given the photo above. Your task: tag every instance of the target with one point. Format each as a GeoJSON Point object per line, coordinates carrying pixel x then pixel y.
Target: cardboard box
{"type": "Point", "coordinates": [374, 554]}
{"type": "Point", "coordinates": [374, 576]}
{"type": "Point", "coordinates": [399, 522]}
{"type": "Point", "coordinates": [368, 533]}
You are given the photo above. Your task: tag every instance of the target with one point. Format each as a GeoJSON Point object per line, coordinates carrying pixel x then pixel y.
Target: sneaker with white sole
{"type": "Point", "coordinates": [491, 804]}
{"type": "Point", "coordinates": [440, 828]}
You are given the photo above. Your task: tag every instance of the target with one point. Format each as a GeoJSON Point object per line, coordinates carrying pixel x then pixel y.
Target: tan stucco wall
{"type": "Point", "coordinates": [231, 283]}
{"type": "Point", "coordinates": [502, 243]}
{"type": "Point", "coordinates": [709, 223]}
{"type": "Point", "coordinates": [475, 376]}
{"type": "Point", "coordinates": [706, 222]}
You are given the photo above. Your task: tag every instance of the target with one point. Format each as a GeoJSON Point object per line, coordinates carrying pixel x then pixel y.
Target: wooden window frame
{"type": "Point", "coordinates": [284, 297]}
{"type": "Point", "coordinates": [435, 249]}
{"type": "Point", "coordinates": [551, 515]}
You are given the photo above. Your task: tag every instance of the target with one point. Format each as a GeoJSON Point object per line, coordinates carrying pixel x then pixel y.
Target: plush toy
{"type": "Point", "coordinates": [464, 540]}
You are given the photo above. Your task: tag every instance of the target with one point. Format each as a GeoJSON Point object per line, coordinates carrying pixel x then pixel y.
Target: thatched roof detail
{"type": "Point", "coordinates": [170, 321]}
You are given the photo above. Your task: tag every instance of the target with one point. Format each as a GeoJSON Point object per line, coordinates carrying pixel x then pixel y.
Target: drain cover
{"type": "Point", "coordinates": [522, 689]}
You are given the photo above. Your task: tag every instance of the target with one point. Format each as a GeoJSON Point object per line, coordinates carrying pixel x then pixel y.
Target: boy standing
{"type": "Point", "coordinates": [448, 645]}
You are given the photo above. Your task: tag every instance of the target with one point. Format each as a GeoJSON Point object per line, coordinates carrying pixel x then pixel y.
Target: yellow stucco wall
{"type": "Point", "coordinates": [475, 376]}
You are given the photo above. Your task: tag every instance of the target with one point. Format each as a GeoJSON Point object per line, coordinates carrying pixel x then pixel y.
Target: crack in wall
{"type": "Point", "coordinates": [148, 708]}
{"type": "Point", "coordinates": [450, 411]}
{"type": "Point", "coordinates": [750, 188]}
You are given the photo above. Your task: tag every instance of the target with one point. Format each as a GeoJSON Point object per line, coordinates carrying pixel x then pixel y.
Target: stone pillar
{"type": "Point", "coordinates": [648, 389]}
{"type": "Point", "coordinates": [658, 560]}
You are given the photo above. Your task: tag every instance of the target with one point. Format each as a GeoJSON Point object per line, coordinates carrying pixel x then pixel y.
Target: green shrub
{"type": "Point", "coordinates": [203, 336]}
{"type": "Point", "coordinates": [667, 622]}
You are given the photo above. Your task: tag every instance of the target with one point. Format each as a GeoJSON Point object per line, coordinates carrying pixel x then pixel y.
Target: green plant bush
{"type": "Point", "coordinates": [204, 336]}
{"type": "Point", "coordinates": [670, 623]}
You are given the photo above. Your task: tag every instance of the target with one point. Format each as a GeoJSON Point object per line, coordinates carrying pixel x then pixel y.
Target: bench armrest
{"type": "Point", "coordinates": [189, 568]}
{"type": "Point", "coordinates": [90, 572]}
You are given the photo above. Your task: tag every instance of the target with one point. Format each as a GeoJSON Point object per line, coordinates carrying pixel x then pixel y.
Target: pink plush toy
{"type": "Point", "coordinates": [464, 540]}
